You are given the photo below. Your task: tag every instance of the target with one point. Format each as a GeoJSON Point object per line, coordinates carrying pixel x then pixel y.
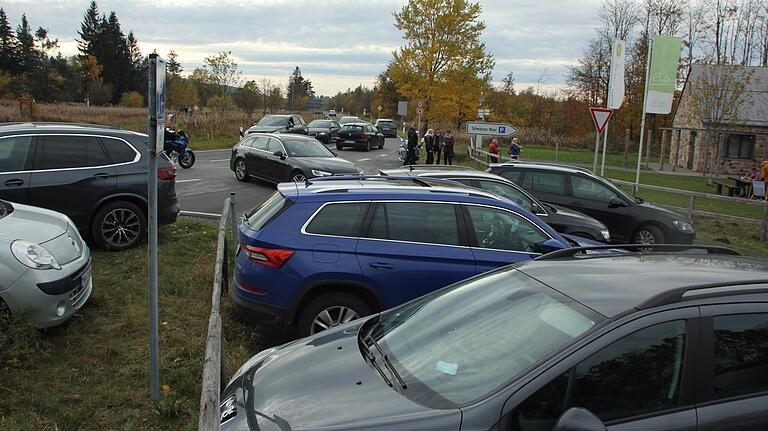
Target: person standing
{"type": "Point", "coordinates": [494, 150]}
{"type": "Point", "coordinates": [438, 145]}
{"type": "Point", "coordinates": [413, 140]}
{"type": "Point", "coordinates": [429, 145]}
{"type": "Point", "coordinates": [448, 148]}
{"type": "Point", "coordinates": [515, 149]}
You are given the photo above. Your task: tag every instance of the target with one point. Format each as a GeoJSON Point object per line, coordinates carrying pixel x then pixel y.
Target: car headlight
{"type": "Point", "coordinates": [606, 234]}
{"type": "Point", "coordinates": [318, 173]}
{"type": "Point", "coordinates": [321, 133]}
{"type": "Point", "coordinates": [33, 255]}
{"type": "Point", "coordinates": [683, 226]}
{"type": "Point", "coordinates": [264, 354]}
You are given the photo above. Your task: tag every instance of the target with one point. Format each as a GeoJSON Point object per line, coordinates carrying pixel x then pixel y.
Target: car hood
{"type": "Point", "coordinates": [334, 165]}
{"type": "Point", "coordinates": [663, 210]}
{"type": "Point", "coordinates": [33, 224]}
{"type": "Point", "coordinates": [264, 129]}
{"type": "Point", "coordinates": [323, 382]}
{"type": "Point", "coordinates": [575, 217]}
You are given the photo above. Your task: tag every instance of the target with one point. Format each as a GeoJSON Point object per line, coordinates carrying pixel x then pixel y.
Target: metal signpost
{"type": "Point", "coordinates": [419, 111]}
{"type": "Point", "coordinates": [600, 117]}
{"type": "Point", "coordinates": [155, 145]}
{"type": "Point", "coordinates": [402, 111]}
{"type": "Point", "coordinates": [378, 108]}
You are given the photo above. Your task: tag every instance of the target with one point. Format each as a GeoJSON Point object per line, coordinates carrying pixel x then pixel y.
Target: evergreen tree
{"type": "Point", "coordinates": [8, 46]}
{"type": "Point", "coordinates": [26, 46]}
{"type": "Point", "coordinates": [90, 32]}
{"type": "Point", "coordinates": [172, 65]}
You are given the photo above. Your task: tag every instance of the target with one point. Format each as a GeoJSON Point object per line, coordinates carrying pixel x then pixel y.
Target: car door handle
{"type": "Point", "coordinates": [101, 175]}
{"type": "Point", "coordinates": [380, 265]}
{"type": "Point", "coordinates": [15, 182]}
{"type": "Point", "coordinates": [577, 204]}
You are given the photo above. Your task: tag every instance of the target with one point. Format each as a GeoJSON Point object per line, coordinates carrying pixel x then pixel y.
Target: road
{"type": "Point", "coordinates": [203, 188]}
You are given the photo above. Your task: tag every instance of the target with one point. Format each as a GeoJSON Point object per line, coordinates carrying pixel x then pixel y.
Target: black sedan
{"type": "Point", "coordinates": [387, 127]}
{"type": "Point", "coordinates": [324, 131]}
{"type": "Point", "coordinates": [278, 158]}
{"type": "Point", "coordinates": [359, 135]}
{"type": "Point", "coordinates": [290, 123]}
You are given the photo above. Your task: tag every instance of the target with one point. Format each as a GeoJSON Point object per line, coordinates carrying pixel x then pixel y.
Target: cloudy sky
{"type": "Point", "coordinates": [338, 44]}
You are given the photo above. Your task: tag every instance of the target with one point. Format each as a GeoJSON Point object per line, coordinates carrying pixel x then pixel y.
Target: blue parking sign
{"type": "Point", "coordinates": [502, 130]}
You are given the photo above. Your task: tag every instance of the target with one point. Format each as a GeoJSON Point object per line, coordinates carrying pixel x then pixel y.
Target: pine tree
{"type": "Point", "coordinates": [90, 32]}
{"type": "Point", "coordinates": [26, 46]}
{"type": "Point", "coordinates": [172, 65]}
{"type": "Point", "coordinates": [8, 46]}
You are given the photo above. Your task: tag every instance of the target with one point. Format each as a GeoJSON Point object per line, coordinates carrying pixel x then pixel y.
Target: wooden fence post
{"type": "Point", "coordinates": [626, 146]}
{"type": "Point", "coordinates": [691, 207]}
{"type": "Point", "coordinates": [664, 134]}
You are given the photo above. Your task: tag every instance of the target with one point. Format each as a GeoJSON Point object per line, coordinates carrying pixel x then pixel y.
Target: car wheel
{"type": "Point", "coordinates": [648, 234]}
{"type": "Point", "coordinates": [368, 145]}
{"type": "Point", "coordinates": [240, 173]}
{"type": "Point", "coordinates": [329, 310]}
{"type": "Point", "coordinates": [298, 177]}
{"type": "Point", "coordinates": [118, 226]}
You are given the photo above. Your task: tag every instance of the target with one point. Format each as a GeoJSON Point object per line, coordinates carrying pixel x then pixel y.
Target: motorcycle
{"type": "Point", "coordinates": [176, 146]}
{"type": "Point", "coordinates": [402, 152]}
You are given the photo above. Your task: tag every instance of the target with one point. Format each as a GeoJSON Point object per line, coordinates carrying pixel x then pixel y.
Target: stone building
{"type": "Point", "coordinates": [733, 144]}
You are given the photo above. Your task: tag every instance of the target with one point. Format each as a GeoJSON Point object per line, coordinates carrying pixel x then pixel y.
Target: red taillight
{"type": "Point", "coordinates": [266, 256]}
{"type": "Point", "coordinates": [166, 173]}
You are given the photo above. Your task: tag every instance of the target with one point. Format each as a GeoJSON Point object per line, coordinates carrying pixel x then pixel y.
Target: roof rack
{"type": "Point", "coordinates": [308, 182]}
{"type": "Point", "coordinates": [718, 289]}
{"type": "Point", "coordinates": [559, 165]}
{"type": "Point", "coordinates": [419, 167]}
{"type": "Point", "coordinates": [637, 248]}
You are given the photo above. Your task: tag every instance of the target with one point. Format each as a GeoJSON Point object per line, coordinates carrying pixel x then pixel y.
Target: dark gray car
{"type": "Point", "coordinates": [289, 123]}
{"type": "Point", "coordinates": [278, 158]}
{"type": "Point", "coordinates": [570, 341]}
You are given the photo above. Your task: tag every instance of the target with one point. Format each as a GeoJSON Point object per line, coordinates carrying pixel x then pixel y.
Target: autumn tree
{"type": "Point", "coordinates": [248, 97]}
{"type": "Point", "coordinates": [299, 90]}
{"type": "Point", "coordinates": [220, 71]}
{"type": "Point", "coordinates": [443, 63]}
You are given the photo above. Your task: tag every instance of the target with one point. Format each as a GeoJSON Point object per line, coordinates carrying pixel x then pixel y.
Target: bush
{"type": "Point", "coordinates": [132, 99]}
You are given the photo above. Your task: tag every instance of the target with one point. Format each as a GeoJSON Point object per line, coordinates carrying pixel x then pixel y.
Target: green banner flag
{"type": "Point", "coordinates": [665, 58]}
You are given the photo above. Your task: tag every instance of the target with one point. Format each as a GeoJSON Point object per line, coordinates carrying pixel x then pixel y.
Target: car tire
{"type": "Point", "coordinates": [241, 173]}
{"type": "Point", "coordinates": [368, 145]}
{"type": "Point", "coordinates": [648, 234]}
{"type": "Point", "coordinates": [118, 226]}
{"type": "Point", "coordinates": [340, 307]}
{"type": "Point", "coordinates": [297, 177]}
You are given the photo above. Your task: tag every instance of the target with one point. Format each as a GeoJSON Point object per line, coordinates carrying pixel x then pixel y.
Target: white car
{"type": "Point", "coordinates": [45, 266]}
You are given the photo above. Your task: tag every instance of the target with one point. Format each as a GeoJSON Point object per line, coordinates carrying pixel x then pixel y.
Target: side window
{"type": "Point", "coordinates": [301, 120]}
{"type": "Point", "coordinates": [416, 222]}
{"type": "Point", "coordinates": [548, 182]}
{"type": "Point", "coordinates": [260, 143]}
{"type": "Point", "coordinates": [504, 230]}
{"type": "Point", "coordinates": [585, 188]}
{"type": "Point", "coordinates": [14, 152]}
{"type": "Point", "coordinates": [247, 142]}
{"type": "Point", "coordinates": [638, 374]}
{"type": "Point", "coordinates": [274, 146]}
{"type": "Point", "coordinates": [118, 151]}
{"type": "Point", "coordinates": [339, 220]}
{"type": "Point", "coordinates": [61, 152]}
{"type": "Point", "coordinates": [94, 153]}
{"type": "Point", "coordinates": [513, 175]}
{"type": "Point", "coordinates": [509, 192]}
{"type": "Point", "coordinates": [741, 354]}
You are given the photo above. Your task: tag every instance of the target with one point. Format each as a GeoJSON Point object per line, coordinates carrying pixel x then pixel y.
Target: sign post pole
{"type": "Point", "coordinates": [597, 151]}
{"type": "Point", "coordinates": [156, 130]}
{"type": "Point", "coordinates": [605, 147]}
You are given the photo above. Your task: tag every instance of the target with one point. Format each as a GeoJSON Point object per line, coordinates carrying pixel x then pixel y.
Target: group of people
{"type": "Point", "coordinates": [436, 145]}
{"type": "Point", "coordinates": [494, 149]}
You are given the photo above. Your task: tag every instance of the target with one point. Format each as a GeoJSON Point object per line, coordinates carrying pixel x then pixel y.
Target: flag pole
{"type": "Point", "coordinates": [642, 123]}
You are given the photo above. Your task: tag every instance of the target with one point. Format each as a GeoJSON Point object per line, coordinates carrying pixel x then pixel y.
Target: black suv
{"type": "Point", "coordinates": [291, 123]}
{"type": "Point", "coordinates": [96, 175]}
{"type": "Point", "coordinates": [630, 219]}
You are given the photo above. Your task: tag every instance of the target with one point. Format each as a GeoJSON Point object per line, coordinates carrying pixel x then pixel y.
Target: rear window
{"type": "Point", "coordinates": [118, 151]}
{"type": "Point", "coordinates": [351, 128]}
{"type": "Point", "coordinates": [385, 123]}
{"type": "Point", "coordinates": [262, 214]}
{"type": "Point", "coordinates": [339, 220]}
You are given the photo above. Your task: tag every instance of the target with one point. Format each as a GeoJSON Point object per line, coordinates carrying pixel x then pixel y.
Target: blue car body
{"type": "Point", "coordinates": [282, 264]}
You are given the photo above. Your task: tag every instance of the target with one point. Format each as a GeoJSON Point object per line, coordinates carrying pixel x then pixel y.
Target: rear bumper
{"type": "Point", "coordinates": [168, 213]}
{"type": "Point", "coordinates": [362, 143]}
{"type": "Point", "coordinates": [271, 320]}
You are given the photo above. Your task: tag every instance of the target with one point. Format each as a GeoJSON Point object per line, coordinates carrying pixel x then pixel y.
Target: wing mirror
{"type": "Point", "coordinates": [579, 419]}
{"type": "Point", "coordinates": [242, 132]}
{"type": "Point", "coordinates": [279, 154]}
{"type": "Point", "coordinates": [551, 245]}
{"type": "Point", "coordinates": [615, 202]}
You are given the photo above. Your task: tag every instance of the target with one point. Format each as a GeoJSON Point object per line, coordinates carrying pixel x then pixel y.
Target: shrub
{"type": "Point", "coordinates": [132, 99]}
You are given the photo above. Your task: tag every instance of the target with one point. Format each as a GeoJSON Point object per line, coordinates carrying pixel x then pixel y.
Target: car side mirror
{"type": "Point", "coordinates": [579, 419]}
{"type": "Point", "coordinates": [242, 132]}
{"type": "Point", "coordinates": [551, 245]}
{"type": "Point", "coordinates": [615, 202]}
{"type": "Point", "coordinates": [279, 154]}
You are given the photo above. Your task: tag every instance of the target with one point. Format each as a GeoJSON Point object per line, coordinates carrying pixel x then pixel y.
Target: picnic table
{"type": "Point", "coordinates": [741, 184]}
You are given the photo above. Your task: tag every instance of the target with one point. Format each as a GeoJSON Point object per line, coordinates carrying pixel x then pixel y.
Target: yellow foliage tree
{"type": "Point", "coordinates": [443, 64]}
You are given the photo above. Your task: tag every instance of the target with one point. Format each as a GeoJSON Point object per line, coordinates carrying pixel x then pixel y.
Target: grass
{"type": "Point", "coordinates": [92, 372]}
{"type": "Point", "coordinates": [742, 237]}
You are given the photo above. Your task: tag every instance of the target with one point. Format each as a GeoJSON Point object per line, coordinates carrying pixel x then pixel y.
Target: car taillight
{"type": "Point", "coordinates": [267, 257]}
{"type": "Point", "coordinates": [166, 173]}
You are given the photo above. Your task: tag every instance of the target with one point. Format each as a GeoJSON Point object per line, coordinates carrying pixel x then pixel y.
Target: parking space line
{"type": "Point", "coordinates": [218, 160]}
{"type": "Point", "coordinates": [364, 160]}
{"type": "Point", "coordinates": [188, 181]}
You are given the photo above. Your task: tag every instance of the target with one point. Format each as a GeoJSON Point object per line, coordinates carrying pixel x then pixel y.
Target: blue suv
{"type": "Point", "coordinates": [327, 251]}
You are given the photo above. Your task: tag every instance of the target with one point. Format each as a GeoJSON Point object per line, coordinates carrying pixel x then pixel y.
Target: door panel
{"type": "Point", "coordinates": [549, 187]}
{"type": "Point", "coordinates": [255, 158]}
{"type": "Point", "coordinates": [592, 198]}
{"type": "Point", "coordinates": [277, 168]}
{"type": "Point", "coordinates": [15, 160]}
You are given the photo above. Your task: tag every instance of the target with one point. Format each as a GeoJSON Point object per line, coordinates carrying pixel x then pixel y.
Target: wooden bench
{"type": "Point", "coordinates": [731, 188]}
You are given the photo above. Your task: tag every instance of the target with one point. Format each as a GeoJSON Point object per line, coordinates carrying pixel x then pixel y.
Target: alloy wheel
{"type": "Point", "coordinates": [645, 237]}
{"type": "Point", "coordinates": [121, 227]}
{"type": "Point", "coordinates": [298, 178]}
{"type": "Point", "coordinates": [332, 316]}
{"type": "Point", "coordinates": [240, 170]}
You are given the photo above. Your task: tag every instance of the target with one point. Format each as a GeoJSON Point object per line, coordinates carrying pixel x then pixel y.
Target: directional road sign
{"type": "Point", "coordinates": [490, 129]}
{"type": "Point", "coordinates": [600, 116]}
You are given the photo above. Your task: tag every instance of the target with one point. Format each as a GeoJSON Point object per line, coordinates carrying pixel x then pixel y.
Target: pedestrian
{"type": "Point", "coordinates": [413, 141]}
{"type": "Point", "coordinates": [438, 144]}
{"type": "Point", "coordinates": [515, 149]}
{"type": "Point", "coordinates": [448, 148]}
{"type": "Point", "coordinates": [764, 170]}
{"type": "Point", "coordinates": [494, 150]}
{"type": "Point", "coordinates": [429, 146]}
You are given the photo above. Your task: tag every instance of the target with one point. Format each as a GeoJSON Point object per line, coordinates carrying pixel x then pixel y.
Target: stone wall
{"type": "Point", "coordinates": [699, 141]}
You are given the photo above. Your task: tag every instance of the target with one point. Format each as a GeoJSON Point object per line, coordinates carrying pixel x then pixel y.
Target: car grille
{"type": "Point", "coordinates": [79, 294]}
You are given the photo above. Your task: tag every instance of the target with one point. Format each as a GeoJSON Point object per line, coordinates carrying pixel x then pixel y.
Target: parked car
{"type": "Point", "coordinates": [324, 131]}
{"type": "Point", "coordinates": [561, 219]}
{"type": "Point", "coordinates": [45, 266]}
{"type": "Point", "coordinates": [350, 119]}
{"type": "Point", "coordinates": [277, 158]}
{"type": "Point", "coordinates": [386, 127]}
{"type": "Point", "coordinates": [95, 175]}
{"type": "Point", "coordinates": [321, 253]}
{"type": "Point", "coordinates": [635, 341]}
{"type": "Point", "coordinates": [630, 219]}
{"type": "Point", "coordinates": [289, 123]}
{"type": "Point", "coordinates": [332, 114]}
{"type": "Point", "coordinates": [359, 135]}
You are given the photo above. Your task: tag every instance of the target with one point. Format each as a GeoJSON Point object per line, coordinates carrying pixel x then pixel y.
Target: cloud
{"type": "Point", "coordinates": [338, 44]}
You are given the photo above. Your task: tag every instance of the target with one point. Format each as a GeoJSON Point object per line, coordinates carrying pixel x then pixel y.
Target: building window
{"type": "Point", "coordinates": [740, 147]}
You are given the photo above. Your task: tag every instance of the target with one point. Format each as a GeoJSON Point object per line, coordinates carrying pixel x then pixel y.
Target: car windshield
{"type": "Point", "coordinates": [384, 123]}
{"type": "Point", "coordinates": [349, 120]}
{"type": "Point", "coordinates": [306, 148]}
{"type": "Point", "coordinates": [459, 344]}
{"type": "Point", "coordinates": [272, 120]}
{"type": "Point", "coordinates": [320, 123]}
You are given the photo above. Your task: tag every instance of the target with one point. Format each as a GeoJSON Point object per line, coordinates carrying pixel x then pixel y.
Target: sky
{"type": "Point", "coordinates": [338, 44]}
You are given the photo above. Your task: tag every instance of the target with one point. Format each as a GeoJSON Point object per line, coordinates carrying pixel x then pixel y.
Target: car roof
{"type": "Point", "coordinates": [48, 126]}
{"type": "Point", "coordinates": [281, 136]}
{"type": "Point", "coordinates": [613, 284]}
{"type": "Point", "coordinates": [384, 119]}
{"type": "Point", "coordinates": [541, 166]}
{"type": "Point", "coordinates": [440, 173]}
{"type": "Point", "coordinates": [357, 123]}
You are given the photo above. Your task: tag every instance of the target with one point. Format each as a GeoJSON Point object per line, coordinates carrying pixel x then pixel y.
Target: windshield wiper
{"type": "Point", "coordinates": [387, 362]}
{"type": "Point", "coordinates": [371, 357]}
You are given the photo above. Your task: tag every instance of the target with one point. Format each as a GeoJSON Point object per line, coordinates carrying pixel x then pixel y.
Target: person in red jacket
{"type": "Point", "coordinates": [494, 150]}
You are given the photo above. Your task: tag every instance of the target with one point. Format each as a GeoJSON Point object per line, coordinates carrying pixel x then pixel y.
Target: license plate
{"type": "Point", "coordinates": [349, 142]}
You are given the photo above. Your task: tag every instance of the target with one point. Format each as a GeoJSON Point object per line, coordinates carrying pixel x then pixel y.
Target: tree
{"type": "Point", "coordinates": [508, 84]}
{"type": "Point", "coordinates": [26, 45]}
{"type": "Point", "coordinates": [8, 46]}
{"type": "Point", "coordinates": [385, 94]}
{"type": "Point", "coordinates": [221, 71]}
{"type": "Point", "coordinates": [90, 31]}
{"type": "Point", "coordinates": [248, 97]}
{"type": "Point", "coordinates": [182, 92]}
{"type": "Point", "coordinates": [274, 98]}
{"type": "Point", "coordinates": [442, 44]}
{"type": "Point", "coordinates": [299, 90]}
{"type": "Point", "coordinates": [172, 64]}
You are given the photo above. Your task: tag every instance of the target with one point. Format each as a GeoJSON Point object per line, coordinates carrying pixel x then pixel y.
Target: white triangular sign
{"type": "Point", "coordinates": [600, 117]}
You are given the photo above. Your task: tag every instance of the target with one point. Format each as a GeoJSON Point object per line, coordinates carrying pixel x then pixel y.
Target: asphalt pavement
{"type": "Point", "coordinates": [203, 188]}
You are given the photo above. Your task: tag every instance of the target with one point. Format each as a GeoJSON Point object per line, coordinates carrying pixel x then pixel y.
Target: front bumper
{"type": "Point", "coordinates": [70, 287]}
{"type": "Point", "coordinates": [677, 237]}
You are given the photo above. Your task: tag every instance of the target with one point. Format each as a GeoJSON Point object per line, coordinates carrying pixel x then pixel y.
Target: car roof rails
{"type": "Point", "coordinates": [308, 182]}
{"type": "Point", "coordinates": [620, 249]}
{"type": "Point", "coordinates": [707, 290]}
{"type": "Point", "coordinates": [556, 165]}
{"type": "Point", "coordinates": [419, 167]}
